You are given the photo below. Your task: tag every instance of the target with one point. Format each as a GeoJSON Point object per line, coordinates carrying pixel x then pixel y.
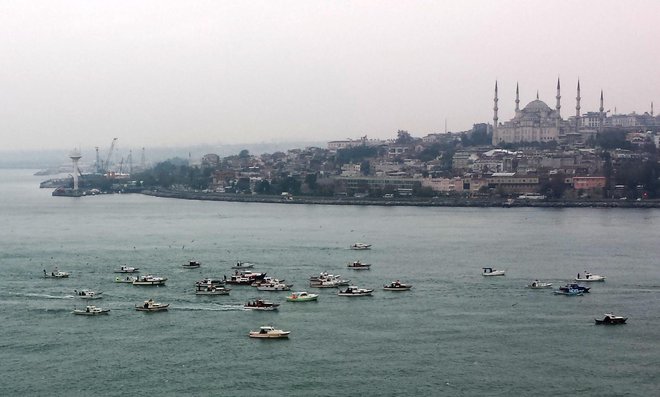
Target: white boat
{"type": "Point", "coordinates": [150, 280]}
{"type": "Point", "coordinates": [361, 246]}
{"type": "Point", "coordinates": [355, 291]}
{"type": "Point", "coordinates": [587, 277]}
{"type": "Point", "coordinates": [242, 265]}
{"type": "Point", "coordinates": [536, 284]}
{"type": "Point", "coordinates": [211, 289]}
{"type": "Point", "coordinates": [268, 332]}
{"type": "Point", "coordinates": [87, 294]}
{"type": "Point", "coordinates": [212, 281]}
{"type": "Point", "coordinates": [191, 265]}
{"type": "Point", "coordinates": [55, 274]}
{"type": "Point", "coordinates": [302, 296]}
{"type": "Point", "coordinates": [151, 306]}
{"type": "Point", "coordinates": [260, 304]}
{"type": "Point", "coordinates": [274, 286]}
{"type": "Point", "coordinates": [127, 279]}
{"type": "Point", "coordinates": [489, 271]}
{"type": "Point", "coordinates": [397, 286]}
{"type": "Point", "coordinates": [357, 265]}
{"type": "Point", "coordinates": [91, 310]}
{"type": "Point", "coordinates": [325, 280]}
{"type": "Point", "coordinates": [127, 269]}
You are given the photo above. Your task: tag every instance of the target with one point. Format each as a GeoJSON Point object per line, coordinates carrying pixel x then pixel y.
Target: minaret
{"type": "Point", "coordinates": [558, 106]}
{"type": "Point", "coordinates": [601, 115]}
{"type": "Point", "coordinates": [537, 95]}
{"type": "Point", "coordinates": [495, 108]}
{"type": "Point", "coordinates": [577, 108]}
{"type": "Point", "coordinates": [651, 109]}
{"type": "Point", "coordinates": [517, 99]}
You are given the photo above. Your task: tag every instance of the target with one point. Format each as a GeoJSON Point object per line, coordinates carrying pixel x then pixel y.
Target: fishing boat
{"type": "Point", "coordinates": [245, 278]}
{"type": "Point", "coordinates": [358, 265]}
{"type": "Point", "coordinates": [242, 265]}
{"type": "Point", "coordinates": [150, 280]}
{"type": "Point", "coordinates": [191, 265]}
{"type": "Point", "coordinates": [260, 304]}
{"type": "Point", "coordinates": [611, 319]}
{"type": "Point", "coordinates": [576, 286]}
{"type": "Point", "coordinates": [56, 274]}
{"type": "Point", "coordinates": [489, 271]}
{"type": "Point", "coordinates": [127, 279]}
{"type": "Point", "coordinates": [151, 306]}
{"type": "Point", "coordinates": [211, 289]}
{"type": "Point", "coordinates": [569, 292]}
{"type": "Point", "coordinates": [360, 246]}
{"type": "Point", "coordinates": [325, 280]}
{"type": "Point", "coordinates": [127, 269]}
{"type": "Point", "coordinates": [301, 296]}
{"type": "Point", "coordinates": [274, 286]}
{"type": "Point", "coordinates": [268, 332]}
{"type": "Point", "coordinates": [209, 280]}
{"type": "Point", "coordinates": [91, 310]}
{"type": "Point", "coordinates": [536, 284]}
{"type": "Point", "coordinates": [588, 277]}
{"type": "Point", "coordinates": [397, 286]}
{"type": "Point", "coordinates": [87, 294]}
{"type": "Point", "coordinates": [355, 291]}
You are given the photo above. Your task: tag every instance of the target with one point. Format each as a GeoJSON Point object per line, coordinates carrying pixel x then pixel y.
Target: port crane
{"type": "Point", "coordinates": [102, 167]}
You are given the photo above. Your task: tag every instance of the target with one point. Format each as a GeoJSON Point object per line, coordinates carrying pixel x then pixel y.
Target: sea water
{"type": "Point", "coordinates": [456, 333]}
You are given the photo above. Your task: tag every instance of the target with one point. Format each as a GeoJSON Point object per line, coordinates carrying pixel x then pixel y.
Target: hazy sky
{"type": "Point", "coordinates": [157, 73]}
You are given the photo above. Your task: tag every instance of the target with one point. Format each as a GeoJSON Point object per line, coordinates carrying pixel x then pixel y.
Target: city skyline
{"type": "Point", "coordinates": [169, 73]}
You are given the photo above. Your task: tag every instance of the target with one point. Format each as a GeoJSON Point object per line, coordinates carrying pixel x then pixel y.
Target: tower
{"type": "Point", "coordinates": [495, 108]}
{"type": "Point", "coordinates": [577, 108]}
{"type": "Point", "coordinates": [651, 109]}
{"type": "Point", "coordinates": [517, 99]}
{"type": "Point", "coordinates": [558, 106]}
{"type": "Point", "coordinates": [75, 156]}
{"type": "Point", "coordinates": [601, 115]}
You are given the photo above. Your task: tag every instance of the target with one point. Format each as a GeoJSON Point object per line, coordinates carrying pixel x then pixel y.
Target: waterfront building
{"type": "Point", "coordinates": [510, 182]}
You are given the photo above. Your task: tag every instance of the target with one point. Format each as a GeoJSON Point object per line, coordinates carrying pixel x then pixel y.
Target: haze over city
{"type": "Point", "coordinates": [168, 73]}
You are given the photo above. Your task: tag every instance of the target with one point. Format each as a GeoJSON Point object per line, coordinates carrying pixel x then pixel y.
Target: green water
{"type": "Point", "coordinates": [455, 333]}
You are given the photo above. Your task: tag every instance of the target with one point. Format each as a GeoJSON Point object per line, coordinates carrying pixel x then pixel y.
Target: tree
{"type": "Point", "coordinates": [365, 167]}
{"type": "Point", "coordinates": [403, 137]}
{"type": "Point", "coordinates": [243, 154]}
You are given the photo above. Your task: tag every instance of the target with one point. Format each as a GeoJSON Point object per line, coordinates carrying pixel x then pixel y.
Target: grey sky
{"type": "Point", "coordinates": [155, 73]}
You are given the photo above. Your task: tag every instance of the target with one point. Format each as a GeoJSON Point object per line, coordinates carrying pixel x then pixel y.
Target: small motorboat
{"type": "Point", "coordinates": [91, 310]}
{"type": "Point", "coordinates": [274, 286]}
{"type": "Point", "coordinates": [611, 319]}
{"type": "Point", "coordinates": [489, 271]}
{"type": "Point", "coordinates": [56, 274]}
{"type": "Point", "coordinates": [191, 265]}
{"type": "Point", "coordinates": [536, 284]}
{"type": "Point", "coordinates": [245, 278]}
{"type": "Point", "coordinates": [260, 304]}
{"type": "Point", "coordinates": [568, 292]}
{"type": "Point", "coordinates": [127, 279]}
{"type": "Point", "coordinates": [357, 265]}
{"type": "Point", "coordinates": [397, 286]}
{"type": "Point", "coordinates": [268, 332]}
{"type": "Point", "coordinates": [151, 306]}
{"type": "Point", "coordinates": [211, 289]}
{"type": "Point", "coordinates": [212, 281]}
{"type": "Point", "coordinates": [355, 291]}
{"type": "Point", "coordinates": [588, 277]}
{"type": "Point", "coordinates": [243, 265]}
{"type": "Point", "coordinates": [575, 286]}
{"type": "Point", "coordinates": [302, 296]}
{"type": "Point", "coordinates": [361, 246]}
{"type": "Point", "coordinates": [150, 280]}
{"type": "Point", "coordinates": [325, 280]}
{"type": "Point", "coordinates": [127, 269]}
{"type": "Point", "coordinates": [87, 294]}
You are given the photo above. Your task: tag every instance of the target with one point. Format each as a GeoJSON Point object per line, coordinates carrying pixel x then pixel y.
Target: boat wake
{"type": "Point", "coordinates": [219, 308]}
{"type": "Point", "coordinates": [46, 296]}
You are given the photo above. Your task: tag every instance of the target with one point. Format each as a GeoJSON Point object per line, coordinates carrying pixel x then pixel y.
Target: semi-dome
{"type": "Point", "coordinates": [537, 106]}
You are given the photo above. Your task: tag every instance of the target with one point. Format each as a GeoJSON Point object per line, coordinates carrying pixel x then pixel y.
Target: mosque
{"type": "Point", "coordinates": [537, 122]}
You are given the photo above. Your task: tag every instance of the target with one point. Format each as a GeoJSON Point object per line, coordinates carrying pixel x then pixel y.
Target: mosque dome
{"type": "Point", "coordinates": [537, 106]}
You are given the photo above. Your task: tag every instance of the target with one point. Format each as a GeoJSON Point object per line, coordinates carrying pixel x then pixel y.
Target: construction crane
{"type": "Point", "coordinates": [106, 165]}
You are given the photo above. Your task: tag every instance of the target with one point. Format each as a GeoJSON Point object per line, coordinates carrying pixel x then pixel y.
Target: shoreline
{"type": "Point", "coordinates": [412, 202]}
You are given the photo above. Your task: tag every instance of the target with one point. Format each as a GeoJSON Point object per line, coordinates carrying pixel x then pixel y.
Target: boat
{"type": "Point", "coordinates": [588, 277]}
{"type": "Point", "coordinates": [575, 286]}
{"type": "Point", "coordinates": [268, 332]}
{"type": "Point", "coordinates": [397, 286]}
{"type": "Point", "coordinates": [191, 265]}
{"type": "Point", "coordinates": [301, 296]}
{"type": "Point", "coordinates": [56, 274]}
{"type": "Point", "coordinates": [536, 284]}
{"type": "Point", "coordinates": [357, 265]}
{"type": "Point", "coordinates": [150, 280]}
{"type": "Point", "coordinates": [91, 310]}
{"type": "Point", "coordinates": [87, 294]}
{"type": "Point", "coordinates": [361, 246]}
{"type": "Point", "coordinates": [274, 286]}
{"type": "Point", "coordinates": [242, 265]}
{"type": "Point", "coordinates": [568, 292]}
{"type": "Point", "coordinates": [151, 306]}
{"type": "Point", "coordinates": [212, 281]}
{"type": "Point", "coordinates": [489, 271]}
{"type": "Point", "coordinates": [355, 291]}
{"type": "Point", "coordinates": [260, 304]}
{"type": "Point", "coordinates": [211, 289]}
{"type": "Point", "coordinates": [127, 269]}
{"type": "Point", "coordinates": [127, 279]}
{"type": "Point", "coordinates": [611, 319]}
{"type": "Point", "coordinates": [245, 278]}
{"type": "Point", "coordinates": [325, 280]}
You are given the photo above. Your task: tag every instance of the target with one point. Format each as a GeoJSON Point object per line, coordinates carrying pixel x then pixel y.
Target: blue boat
{"type": "Point", "coordinates": [569, 292]}
{"type": "Point", "coordinates": [574, 286]}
